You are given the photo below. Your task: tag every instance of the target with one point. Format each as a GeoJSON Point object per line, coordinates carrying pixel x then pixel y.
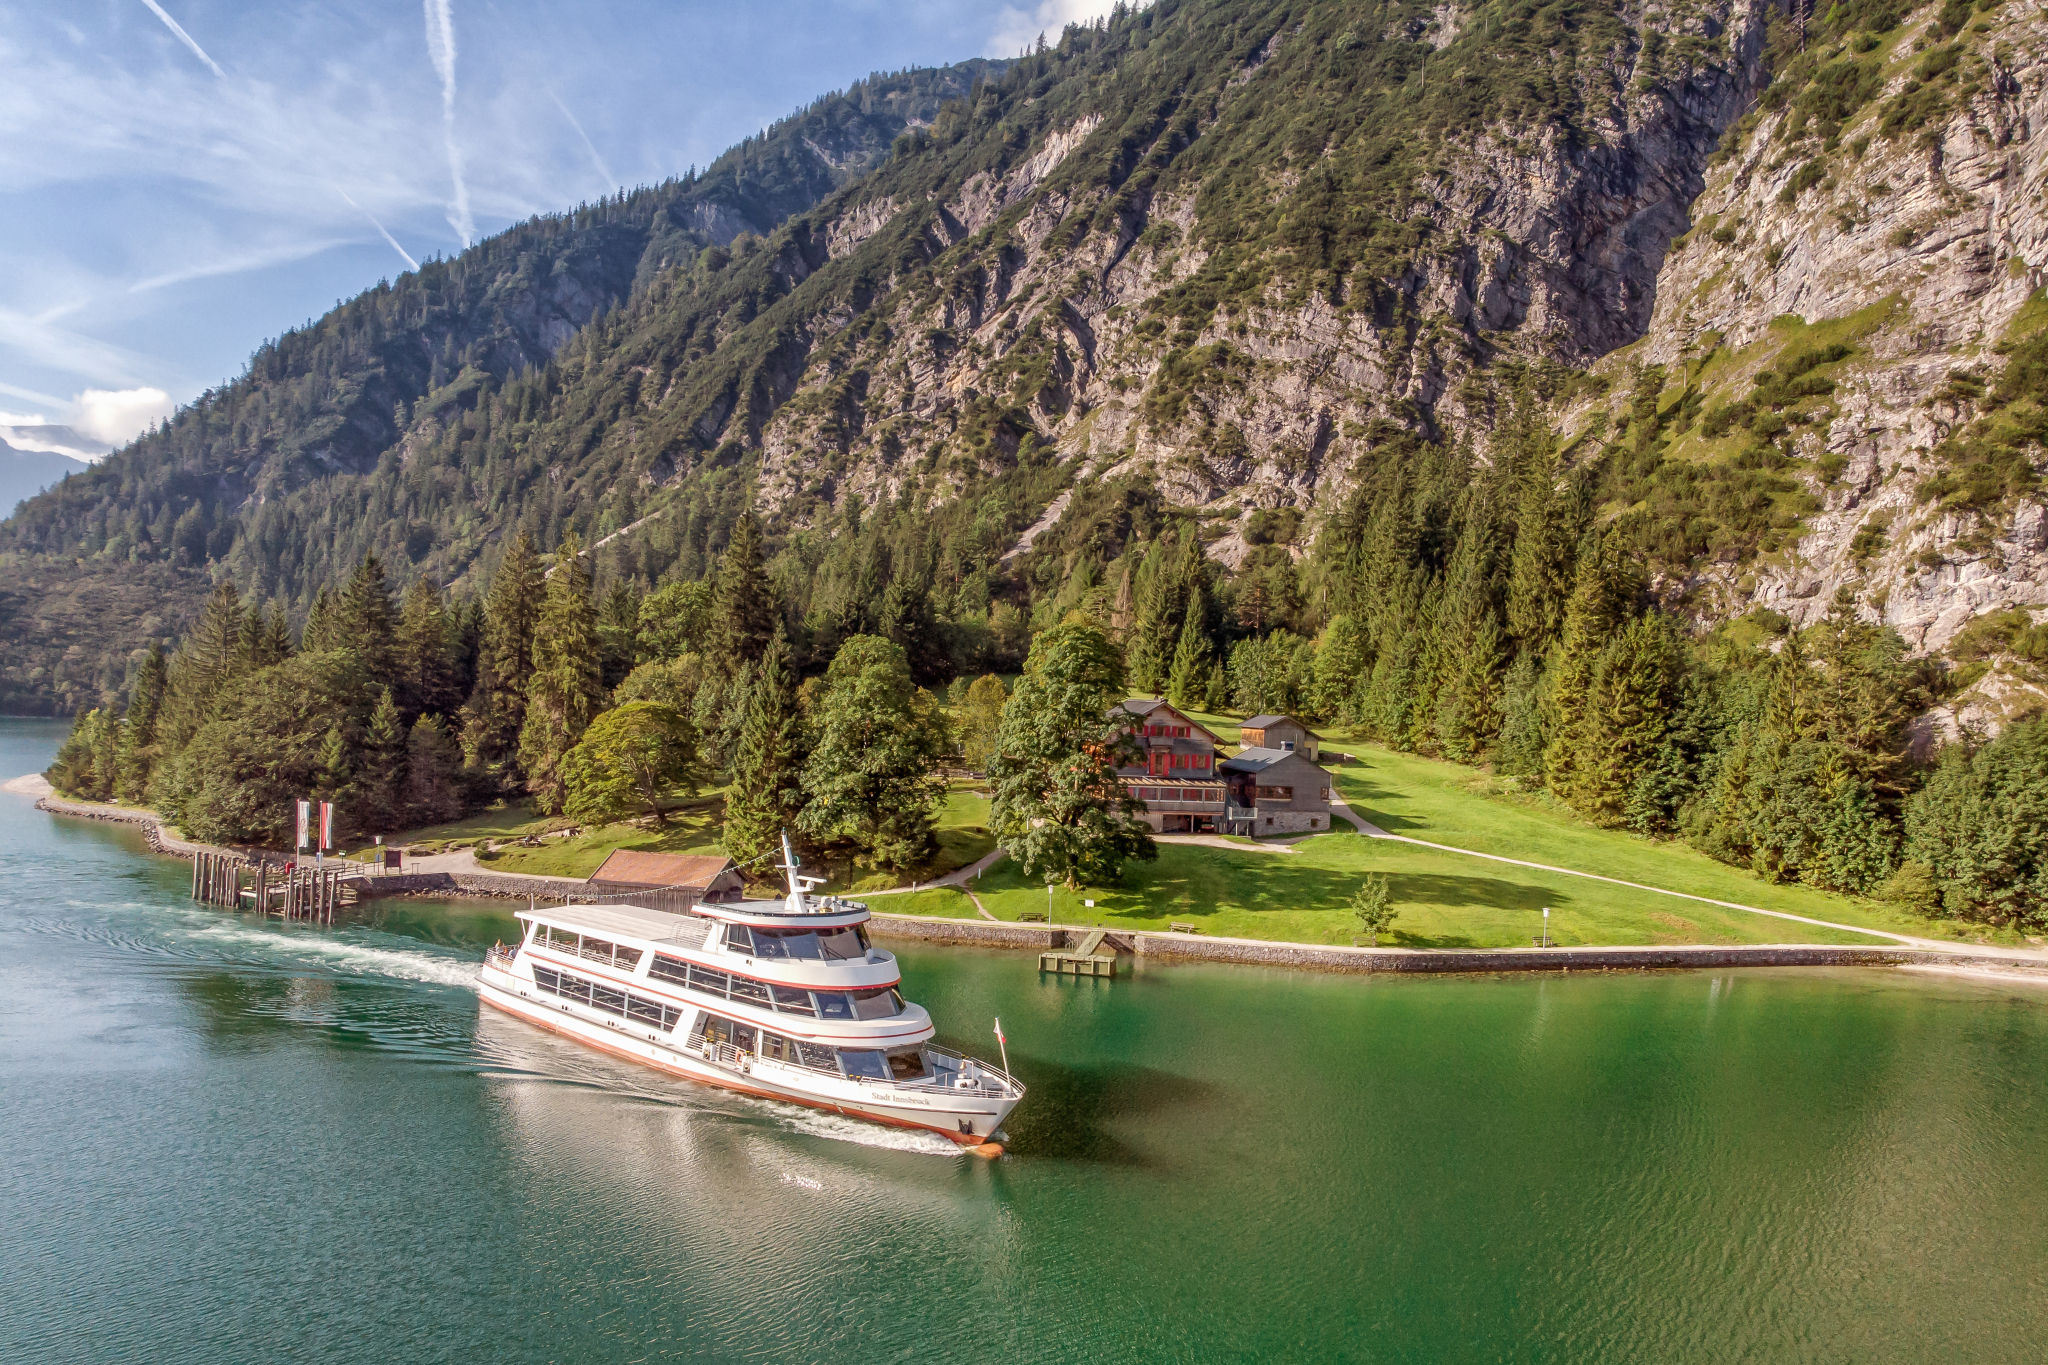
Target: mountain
{"type": "Point", "coordinates": [1761, 276]}
{"type": "Point", "coordinates": [37, 455]}
{"type": "Point", "coordinates": [92, 571]}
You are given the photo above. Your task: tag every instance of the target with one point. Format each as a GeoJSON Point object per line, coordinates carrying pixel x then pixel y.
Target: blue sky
{"type": "Point", "coordinates": [181, 179]}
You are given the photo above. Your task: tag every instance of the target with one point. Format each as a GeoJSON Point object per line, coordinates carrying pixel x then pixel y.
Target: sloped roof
{"type": "Point", "coordinates": [1261, 722]}
{"type": "Point", "coordinates": [1258, 760]}
{"type": "Point", "coordinates": [631, 867]}
{"type": "Point", "coordinates": [1140, 706]}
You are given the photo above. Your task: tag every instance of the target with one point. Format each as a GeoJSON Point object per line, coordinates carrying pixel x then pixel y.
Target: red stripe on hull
{"type": "Point", "coordinates": [545, 1022]}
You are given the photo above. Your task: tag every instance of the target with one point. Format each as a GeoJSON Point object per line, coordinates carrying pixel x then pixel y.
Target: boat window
{"type": "Point", "coordinates": [743, 1037]}
{"type": "Point", "coordinates": [862, 1062]}
{"type": "Point", "coordinates": [880, 1003]}
{"type": "Point", "coordinates": [777, 1048]}
{"type": "Point", "coordinates": [670, 969]}
{"type": "Point", "coordinates": [754, 992]}
{"type": "Point", "coordinates": [814, 1055]}
{"type": "Point", "coordinates": [713, 1029]}
{"type": "Point", "coordinates": [626, 959]}
{"type": "Point", "coordinates": [791, 1000]}
{"type": "Point", "coordinates": [707, 979]}
{"type": "Point", "coordinates": [833, 1004]}
{"type": "Point", "coordinates": [907, 1064]}
{"type": "Point", "coordinates": [738, 939]}
{"type": "Point", "coordinates": [844, 944]}
{"type": "Point", "coordinates": [611, 1001]}
{"type": "Point", "coordinates": [790, 943]}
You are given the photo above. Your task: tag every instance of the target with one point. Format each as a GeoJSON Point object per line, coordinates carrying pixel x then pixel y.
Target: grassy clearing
{"type": "Point", "coordinates": [692, 828]}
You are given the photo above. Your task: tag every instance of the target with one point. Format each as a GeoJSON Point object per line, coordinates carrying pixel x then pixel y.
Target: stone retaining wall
{"type": "Point", "coordinates": [1316, 957]}
{"type": "Point", "coordinates": [495, 885]}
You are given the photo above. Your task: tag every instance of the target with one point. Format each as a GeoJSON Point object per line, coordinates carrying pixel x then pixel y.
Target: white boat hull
{"type": "Point", "coordinates": [967, 1117]}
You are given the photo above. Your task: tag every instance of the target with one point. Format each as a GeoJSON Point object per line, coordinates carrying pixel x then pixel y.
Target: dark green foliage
{"type": "Point", "coordinates": [871, 782]}
{"type": "Point", "coordinates": [433, 774]}
{"type": "Point", "coordinates": [498, 710]}
{"type": "Point", "coordinates": [1992, 459]}
{"type": "Point", "coordinates": [1979, 829]}
{"type": "Point", "coordinates": [1058, 807]}
{"type": "Point", "coordinates": [632, 760]}
{"type": "Point", "coordinates": [766, 796]}
{"type": "Point", "coordinates": [566, 690]}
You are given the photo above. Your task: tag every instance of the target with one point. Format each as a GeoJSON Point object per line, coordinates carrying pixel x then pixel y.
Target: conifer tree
{"type": "Point", "coordinates": [322, 632]}
{"type": "Point", "coordinates": [139, 739]}
{"type": "Point", "coordinates": [331, 769]}
{"type": "Point", "coordinates": [1340, 669]}
{"type": "Point", "coordinates": [743, 607]}
{"type": "Point", "coordinates": [1602, 597]}
{"type": "Point", "coordinates": [203, 666]}
{"type": "Point", "coordinates": [366, 623]}
{"type": "Point", "coordinates": [566, 690]}
{"type": "Point", "coordinates": [277, 643]}
{"type": "Point", "coordinates": [426, 676]}
{"type": "Point", "coordinates": [1188, 682]}
{"type": "Point", "coordinates": [511, 611]}
{"type": "Point", "coordinates": [380, 796]}
{"type": "Point", "coordinates": [618, 633]}
{"type": "Point", "coordinates": [981, 720]}
{"type": "Point", "coordinates": [767, 795]}
{"type": "Point", "coordinates": [433, 792]}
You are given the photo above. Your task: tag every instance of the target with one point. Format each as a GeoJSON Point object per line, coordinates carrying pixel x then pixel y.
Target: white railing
{"type": "Point", "coordinates": [986, 1079]}
{"type": "Point", "coordinates": [498, 955]}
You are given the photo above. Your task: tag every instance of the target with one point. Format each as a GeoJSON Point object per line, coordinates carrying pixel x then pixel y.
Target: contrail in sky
{"type": "Point", "coordinates": [441, 51]}
{"type": "Point", "coordinates": [186, 38]}
{"type": "Point", "coordinates": [379, 226]}
{"type": "Point", "coordinates": [611, 182]}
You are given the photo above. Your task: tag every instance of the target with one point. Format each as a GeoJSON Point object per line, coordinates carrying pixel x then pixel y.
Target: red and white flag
{"type": "Point", "coordinates": [305, 814]}
{"type": "Point", "coordinates": [326, 824]}
{"type": "Point", "coordinates": [999, 1032]}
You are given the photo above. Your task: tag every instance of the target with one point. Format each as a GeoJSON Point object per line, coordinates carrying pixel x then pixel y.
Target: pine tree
{"type": "Point", "coordinates": [1623, 718]}
{"type": "Point", "coordinates": [566, 690]}
{"type": "Point", "coordinates": [1519, 751]}
{"type": "Point", "coordinates": [743, 607]}
{"type": "Point", "coordinates": [1603, 595]}
{"type": "Point", "coordinates": [331, 771]}
{"type": "Point", "coordinates": [139, 740]}
{"type": "Point", "coordinates": [433, 764]}
{"type": "Point", "coordinates": [1540, 567]}
{"type": "Point", "coordinates": [277, 643]}
{"type": "Point", "coordinates": [1193, 659]}
{"type": "Point", "coordinates": [1340, 670]}
{"type": "Point", "coordinates": [618, 633]}
{"type": "Point", "coordinates": [505, 665]}
{"type": "Point", "coordinates": [380, 796]}
{"type": "Point", "coordinates": [426, 676]}
{"type": "Point", "coordinates": [203, 666]}
{"type": "Point", "coordinates": [366, 623]}
{"type": "Point", "coordinates": [322, 631]}
{"type": "Point", "coordinates": [766, 796]}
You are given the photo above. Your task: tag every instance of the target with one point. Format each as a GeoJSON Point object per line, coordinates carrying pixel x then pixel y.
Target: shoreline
{"type": "Point", "coordinates": [2010, 965]}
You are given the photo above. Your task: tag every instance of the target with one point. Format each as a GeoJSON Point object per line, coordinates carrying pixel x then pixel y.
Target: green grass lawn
{"type": "Point", "coordinates": [1447, 803]}
{"type": "Point", "coordinates": [691, 828]}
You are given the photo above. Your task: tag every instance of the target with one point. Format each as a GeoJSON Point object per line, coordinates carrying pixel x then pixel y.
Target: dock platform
{"type": "Point", "coordinates": [1084, 959]}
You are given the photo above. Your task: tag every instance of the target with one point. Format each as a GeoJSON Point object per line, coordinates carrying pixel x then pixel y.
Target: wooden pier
{"type": "Point", "coordinates": [308, 893]}
{"type": "Point", "coordinates": [1085, 959]}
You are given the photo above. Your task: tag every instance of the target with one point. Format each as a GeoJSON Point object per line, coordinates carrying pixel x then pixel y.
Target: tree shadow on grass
{"type": "Point", "coordinates": [1367, 800]}
{"type": "Point", "coordinates": [1194, 889]}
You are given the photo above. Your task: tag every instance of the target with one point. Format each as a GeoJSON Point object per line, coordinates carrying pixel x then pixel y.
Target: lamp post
{"type": "Point", "coordinates": [1546, 926]}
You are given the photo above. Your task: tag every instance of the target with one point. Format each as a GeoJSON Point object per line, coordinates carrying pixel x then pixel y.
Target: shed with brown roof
{"type": "Point", "coordinates": [710, 875]}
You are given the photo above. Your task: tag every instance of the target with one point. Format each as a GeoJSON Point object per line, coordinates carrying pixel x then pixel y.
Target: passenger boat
{"type": "Point", "coordinates": [780, 998]}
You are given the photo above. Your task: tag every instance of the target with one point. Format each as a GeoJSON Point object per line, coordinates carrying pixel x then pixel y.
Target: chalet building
{"type": "Point", "coordinates": [684, 876]}
{"type": "Point", "coordinates": [1284, 733]}
{"type": "Point", "coordinates": [1276, 791]}
{"type": "Point", "coordinates": [1176, 777]}
{"type": "Point", "coordinates": [1188, 787]}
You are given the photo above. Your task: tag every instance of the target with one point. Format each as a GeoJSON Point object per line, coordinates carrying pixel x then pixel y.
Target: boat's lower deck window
{"type": "Point", "coordinates": [907, 1064]}
{"type": "Point", "coordinates": [611, 1000]}
{"type": "Point", "coordinates": [859, 1061]}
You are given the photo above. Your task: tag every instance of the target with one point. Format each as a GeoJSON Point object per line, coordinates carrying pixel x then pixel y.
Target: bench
{"type": "Point", "coordinates": [1182, 929]}
{"type": "Point", "coordinates": [1032, 917]}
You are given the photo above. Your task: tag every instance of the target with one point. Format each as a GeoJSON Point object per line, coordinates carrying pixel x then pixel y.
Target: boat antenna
{"type": "Point", "coordinates": [790, 864]}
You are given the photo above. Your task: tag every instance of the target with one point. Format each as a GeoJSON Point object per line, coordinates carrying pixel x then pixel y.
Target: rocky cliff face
{"type": "Point", "coordinates": [1545, 243]}
{"type": "Point", "coordinates": [1914, 236]}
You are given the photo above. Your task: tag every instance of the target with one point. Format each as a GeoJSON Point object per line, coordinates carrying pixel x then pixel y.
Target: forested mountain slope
{"type": "Point", "coordinates": [240, 480]}
{"type": "Point", "coordinates": [1258, 267]}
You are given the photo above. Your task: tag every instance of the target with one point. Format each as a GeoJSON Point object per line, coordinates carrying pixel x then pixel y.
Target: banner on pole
{"type": "Point", "coordinates": [305, 811]}
{"type": "Point", "coordinates": [326, 825]}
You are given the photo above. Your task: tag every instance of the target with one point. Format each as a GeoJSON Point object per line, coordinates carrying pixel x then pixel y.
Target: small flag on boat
{"type": "Point", "coordinates": [305, 813]}
{"type": "Point", "coordinates": [999, 1032]}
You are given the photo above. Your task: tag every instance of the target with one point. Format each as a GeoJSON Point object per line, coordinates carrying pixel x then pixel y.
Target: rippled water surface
{"type": "Point", "coordinates": [230, 1140]}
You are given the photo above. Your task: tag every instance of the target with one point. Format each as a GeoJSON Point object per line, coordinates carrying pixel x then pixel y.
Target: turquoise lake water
{"type": "Point", "coordinates": [232, 1140]}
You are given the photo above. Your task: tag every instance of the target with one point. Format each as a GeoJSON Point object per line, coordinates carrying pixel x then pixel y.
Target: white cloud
{"type": "Point", "coordinates": [185, 38]}
{"type": "Point", "coordinates": [118, 416]}
{"type": "Point", "coordinates": [1018, 28]}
